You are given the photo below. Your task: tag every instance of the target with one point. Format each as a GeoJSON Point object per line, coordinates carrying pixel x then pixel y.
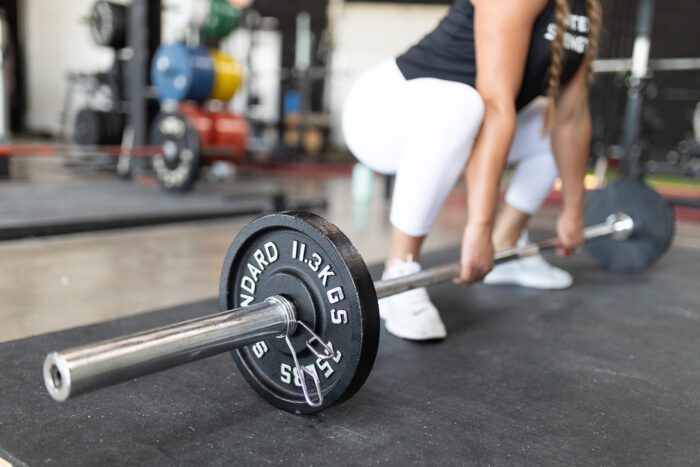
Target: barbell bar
{"type": "Point", "coordinates": [83, 369]}
{"type": "Point", "coordinates": [291, 320]}
{"type": "Point", "coordinates": [618, 225]}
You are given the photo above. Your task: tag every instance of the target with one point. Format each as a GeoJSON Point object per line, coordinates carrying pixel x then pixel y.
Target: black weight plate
{"type": "Point", "coordinates": [108, 24]}
{"type": "Point", "coordinates": [97, 127]}
{"type": "Point", "coordinates": [654, 225]}
{"type": "Point", "coordinates": [177, 165]}
{"type": "Point", "coordinates": [320, 246]}
{"type": "Point", "coordinates": [87, 128]}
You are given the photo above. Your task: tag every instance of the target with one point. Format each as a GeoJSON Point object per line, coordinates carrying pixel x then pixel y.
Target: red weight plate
{"type": "Point", "coordinates": [230, 135]}
{"type": "Point", "coordinates": [202, 121]}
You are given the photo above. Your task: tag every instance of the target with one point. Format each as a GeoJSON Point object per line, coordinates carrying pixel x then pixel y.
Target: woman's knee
{"type": "Point", "coordinates": [533, 180]}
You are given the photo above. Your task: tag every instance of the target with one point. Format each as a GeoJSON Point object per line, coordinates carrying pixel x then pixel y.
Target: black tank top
{"type": "Point", "coordinates": [448, 52]}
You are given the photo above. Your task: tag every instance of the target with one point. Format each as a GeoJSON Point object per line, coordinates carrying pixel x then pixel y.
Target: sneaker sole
{"type": "Point", "coordinates": [429, 337]}
{"type": "Point", "coordinates": [528, 285]}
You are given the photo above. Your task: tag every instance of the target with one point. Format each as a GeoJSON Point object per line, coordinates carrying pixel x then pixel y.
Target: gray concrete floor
{"type": "Point", "coordinates": [56, 283]}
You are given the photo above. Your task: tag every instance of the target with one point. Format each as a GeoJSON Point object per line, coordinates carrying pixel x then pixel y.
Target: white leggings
{"type": "Point", "coordinates": [423, 130]}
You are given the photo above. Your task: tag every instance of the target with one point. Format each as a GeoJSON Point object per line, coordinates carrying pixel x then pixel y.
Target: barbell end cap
{"type": "Point", "coordinates": [57, 377]}
{"type": "Point", "coordinates": [622, 225]}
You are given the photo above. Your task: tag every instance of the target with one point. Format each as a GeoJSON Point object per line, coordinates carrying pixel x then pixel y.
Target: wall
{"type": "Point", "coordinates": [57, 42]}
{"type": "Point", "coordinates": [368, 33]}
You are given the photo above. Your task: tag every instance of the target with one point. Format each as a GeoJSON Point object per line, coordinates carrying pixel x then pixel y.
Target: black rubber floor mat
{"type": "Point", "coordinates": [58, 209]}
{"type": "Point", "coordinates": [605, 373]}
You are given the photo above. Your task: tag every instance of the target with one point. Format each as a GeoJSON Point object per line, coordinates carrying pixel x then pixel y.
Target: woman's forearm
{"type": "Point", "coordinates": [486, 165]}
{"type": "Point", "coordinates": [571, 143]}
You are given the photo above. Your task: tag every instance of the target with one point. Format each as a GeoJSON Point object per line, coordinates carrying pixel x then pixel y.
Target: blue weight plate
{"type": "Point", "coordinates": [180, 73]}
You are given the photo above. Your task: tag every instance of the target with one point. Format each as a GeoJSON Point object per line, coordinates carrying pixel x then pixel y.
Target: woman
{"type": "Point", "coordinates": [465, 100]}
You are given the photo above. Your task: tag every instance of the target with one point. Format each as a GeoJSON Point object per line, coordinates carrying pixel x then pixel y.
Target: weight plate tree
{"type": "Point", "coordinates": [177, 164]}
{"type": "Point", "coordinates": [108, 24]}
{"type": "Point", "coordinates": [306, 333]}
{"type": "Point", "coordinates": [181, 73]}
{"type": "Point", "coordinates": [309, 261]}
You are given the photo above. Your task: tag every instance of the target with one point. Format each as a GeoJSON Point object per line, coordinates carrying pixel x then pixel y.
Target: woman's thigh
{"type": "Point", "coordinates": [444, 122]}
{"type": "Point", "coordinates": [386, 116]}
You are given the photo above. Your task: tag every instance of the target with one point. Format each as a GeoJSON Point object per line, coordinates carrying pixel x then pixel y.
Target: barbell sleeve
{"type": "Point", "coordinates": [618, 225]}
{"type": "Point", "coordinates": [87, 368]}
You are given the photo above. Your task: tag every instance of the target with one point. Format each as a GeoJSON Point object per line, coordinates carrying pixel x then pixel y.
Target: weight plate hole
{"type": "Point", "coordinates": [56, 378]}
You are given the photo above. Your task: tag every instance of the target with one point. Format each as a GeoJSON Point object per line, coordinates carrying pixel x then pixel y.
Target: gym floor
{"type": "Point", "coordinates": [546, 377]}
{"type": "Point", "coordinates": [532, 392]}
{"type": "Point", "coordinates": [54, 283]}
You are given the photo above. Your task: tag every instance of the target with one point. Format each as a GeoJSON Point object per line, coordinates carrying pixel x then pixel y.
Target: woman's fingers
{"type": "Point", "coordinates": [472, 272]}
{"type": "Point", "coordinates": [477, 256]}
{"type": "Point", "coordinates": [570, 230]}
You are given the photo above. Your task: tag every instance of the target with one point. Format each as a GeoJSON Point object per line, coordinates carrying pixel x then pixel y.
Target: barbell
{"type": "Point", "coordinates": [299, 314]}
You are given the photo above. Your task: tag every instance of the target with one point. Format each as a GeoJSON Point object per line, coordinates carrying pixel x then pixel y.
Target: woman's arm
{"type": "Point", "coordinates": [502, 30]}
{"type": "Point", "coordinates": [571, 143]}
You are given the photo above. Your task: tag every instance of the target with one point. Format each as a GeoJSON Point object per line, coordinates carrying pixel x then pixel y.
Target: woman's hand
{"type": "Point", "coordinates": [570, 231]}
{"type": "Point", "coordinates": [477, 254]}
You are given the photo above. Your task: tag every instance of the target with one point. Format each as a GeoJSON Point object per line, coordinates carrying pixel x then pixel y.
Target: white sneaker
{"type": "Point", "coordinates": [533, 272]}
{"type": "Point", "coordinates": [410, 315]}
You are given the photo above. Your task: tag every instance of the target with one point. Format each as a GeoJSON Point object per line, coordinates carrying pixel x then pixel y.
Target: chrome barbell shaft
{"type": "Point", "coordinates": [618, 225]}
{"type": "Point", "coordinates": [82, 369]}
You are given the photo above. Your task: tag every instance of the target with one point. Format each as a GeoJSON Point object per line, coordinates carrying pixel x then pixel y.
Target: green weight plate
{"type": "Point", "coordinates": [224, 18]}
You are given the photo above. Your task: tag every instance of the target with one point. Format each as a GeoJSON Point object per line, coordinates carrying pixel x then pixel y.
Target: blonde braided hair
{"type": "Point", "coordinates": [556, 66]}
{"type": "Point", "coordinates": [595, 18]}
